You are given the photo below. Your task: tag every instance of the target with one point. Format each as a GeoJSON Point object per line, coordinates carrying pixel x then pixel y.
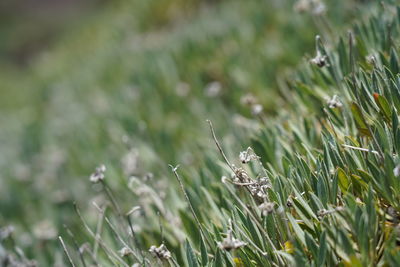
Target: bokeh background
{"type": "Point", "coordinates": [129, 84]}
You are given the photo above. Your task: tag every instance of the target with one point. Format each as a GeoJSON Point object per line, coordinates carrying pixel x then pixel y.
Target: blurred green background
{"type": "Point", "coordinates": [90, 82]}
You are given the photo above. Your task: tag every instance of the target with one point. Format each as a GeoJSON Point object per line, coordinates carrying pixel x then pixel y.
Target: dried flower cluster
{"type": "Point", "coordinates": [130, 162]}
{"type": "Point", "coordinates": [45, 230]}
{"type": "Point", "coordinates": [182, 89]}
{"type": "Point", "coordinates": [257, 188]}
{"type": "Point", "coordinates": [320, 60]}
{"type": "Point", "coordinates": [251, 101]}
{"type": "Point", "coordinates": [6, 232]}
{"type": "Point", "coordinates": [230, 242]}
{"type": "Point", "coordinates": [267, 208]}
{"type": "Point", "coordinates": [315, 7]}
{"type": "Point", "coordinates": [124, 252]}
{"type": "Point", "coordinates": [98, 174]}
{"type": "Point", "coordinates": [396, 171]}
{"type": "Point", "coordinates": [323, 212]}
{"type": "Point", "coordinates": [160, 252]}
{"type": "Point", "coordinates": [247, 155]}
{"type": "Point", "coordinates": [213, 89]}
{"type": "Point", "coordinates": [334, 102]}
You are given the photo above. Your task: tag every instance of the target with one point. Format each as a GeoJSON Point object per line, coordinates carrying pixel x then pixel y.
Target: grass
{"type": "Point", "coordinates": [318, 185]}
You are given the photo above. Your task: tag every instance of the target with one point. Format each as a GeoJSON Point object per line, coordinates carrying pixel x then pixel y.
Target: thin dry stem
{"type": "Point", "coordinates": [115, 231]}
{"type": "Point", "coordinates": [219, 146]}
{"type": "Point", "coordinates": [66, 251]}
{"type": "Point", "coordinates": [98, 239]}
{"type": "Point", "coordinates": [76, 245]}
{"type": "Point", "coordinates": [174, 170]}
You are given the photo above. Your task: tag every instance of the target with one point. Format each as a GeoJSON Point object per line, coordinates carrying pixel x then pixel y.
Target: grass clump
{"type": "Point", "coordinates": [318, 184]}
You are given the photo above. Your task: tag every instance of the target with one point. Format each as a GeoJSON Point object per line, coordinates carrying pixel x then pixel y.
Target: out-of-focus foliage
{"type": "Point", "coordinates": [132, 86]}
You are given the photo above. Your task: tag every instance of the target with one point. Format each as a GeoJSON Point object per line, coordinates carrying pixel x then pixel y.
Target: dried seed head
{"type": "Point", "coordinates": [182, 89]}
{"type": "Point", "coordinates": [256, 109]}
{"type": "Point", "coordinates": [230, 242]}
{"type": "Point", "coordinates": [371, 59]}
{"type": "Point", "coordinates": [213, 89]}
{"type": "Point", "coordinates": [320, 60]}
{"type": "Point", "coordinates": [45, 230]}
{"type": "Point", "coordinates": [241, 176]}
{"type": "Point", "coordinates": [98, 174]}
{"type": "Point", "coordinates": [124, 252]}
{"type": "Point", "coordinates": [6, 232]}
{"type": "Point", "coordinates": [247, 155]}
{"type": "Point", "coordinates": [266, 208]}
{"type": "Point", "coordinates": [323, 212]}
{"type": "Point", "coordinates": [334, 102]}
{"type": "Point", "coordinates": [302, 6]}
{"type": "Point", "coordinates": [130, 162]}
{"type": "Point", "coordinates": [396, 171]}
{"type": "Point", "coordinates": [248, 100]}
{"type": "Point", "coordinates": [316, 7]}
{"type": "Point", "coordinates": [160, 252]}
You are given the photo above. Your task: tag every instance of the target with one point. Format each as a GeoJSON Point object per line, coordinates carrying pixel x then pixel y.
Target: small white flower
{"type": "Point", "coordinates": [98, 174]}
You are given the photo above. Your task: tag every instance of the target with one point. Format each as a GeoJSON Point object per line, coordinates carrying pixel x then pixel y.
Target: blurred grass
{"type": "Point", "coordinates": [113, 83]}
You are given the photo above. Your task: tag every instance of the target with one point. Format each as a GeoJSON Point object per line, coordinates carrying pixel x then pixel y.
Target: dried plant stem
{"type": "Point", "coordinates": [174, 170]}
{"type": "Point", "coordinates": [66, 251]}
{"type": "Point", "coordinates": [135, 240]}
{"type": "Point", "coordinates": [112, 198]}
{"type": "Point", "coordinates": [98, 239]}
{"type": "Point", "coordinates": [76, 245]}
{"type": "Point", "coordinates": [219, 146]}
{"type": "Point", "coordinates": [118, 236]}
{"type": "Point", "coordinates": [84, 248]}
{"type": "Point", "coordinates": [98, 230]}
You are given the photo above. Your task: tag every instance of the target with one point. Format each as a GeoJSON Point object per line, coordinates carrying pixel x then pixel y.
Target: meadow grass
{"type": "Point", "coordinates": [232, 133]}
